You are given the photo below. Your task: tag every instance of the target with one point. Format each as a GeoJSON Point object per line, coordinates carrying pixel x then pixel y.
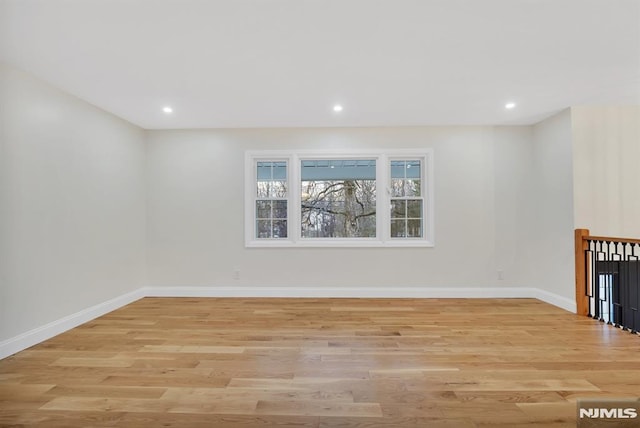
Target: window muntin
{"type": "Point", "coordinates": [338, 198]}
{"type": "Point", "coordinates": [271, 213]}
{"type": "Point", "coordinates": [406, 199]}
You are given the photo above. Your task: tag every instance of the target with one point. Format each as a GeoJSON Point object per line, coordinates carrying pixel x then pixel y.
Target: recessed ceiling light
{"type": "Point", "coordinates": [510, 106]}
{"type": "Point", "coordinates": [167, 109]}
{"type": "Point", "coordinates": [337, 108]}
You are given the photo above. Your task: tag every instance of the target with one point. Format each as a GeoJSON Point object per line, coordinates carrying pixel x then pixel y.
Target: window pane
{"type": "Point", "coordinates": [399, 209]}
{"type": "Point", "coordinates": [279, 229]}
{"type": "Point", "coordinates": [397, 169]}
{"type": "Point", "coordinates": [413, 169]}
{"type": "Point", "coordinates": [414, 208]}
{"type": "Point", "coordinates": [279, 209]}
{"type": "Point", "coordinates": [348, 169]}
{"type": "Point", "coordinates": [263, 189]}
{"type": "Point", "coordinates": [398, 228]}
{"type": "Point", "coordinates": [263, 228]}
{"type": "Point", "coordinates": [278, 189]}
{"type": "Point", "coordinates": [412, 187]}
{"type": "Point", "coordinates": [279, 171]}
{"type": "Point", "coordinates": [338, 198]}
{"type": "Point", "coordinates": [263, 209]}
{"type": "Point", "coordinates": [397, 187]}
{"type": "Point", "coordinates": [264, 171]}
{"type": "Point", "coordinates": [414, 228]}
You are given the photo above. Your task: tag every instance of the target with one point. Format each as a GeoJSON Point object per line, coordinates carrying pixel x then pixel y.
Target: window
{"type": "Point", "coordinates": [339, 199]}
{"type": "Point", "coordinates": [271, 200]}
{"type": "Point", "coordinates": [406, 199]}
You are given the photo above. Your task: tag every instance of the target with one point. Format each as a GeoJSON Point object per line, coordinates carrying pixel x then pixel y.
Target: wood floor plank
{"type": "Point", "coordinates": [392, 422]}
{"type": "Point", "coordinates": [203, 420]}
{"type": "Point", "coordinates": [92, 362]}
{"type": "Point", "coordinates": [16, 391]}
{"type": "Point", "coordinates": [317, 408]}
{"type": "Point", "coordinates": [246, 363]}
{"type": "Point", "coordinates": [106, 404]}
{"type": "Point", "coordinates": [541, 411]}
{"type": "Point", "coordinates": [166, 381]}
{"type": "Point", "coordinates": [56, 419]}
{"type": "Point", "coordinates": [231, 394]}
{"type": "Point", "coordinates": [106, 391]}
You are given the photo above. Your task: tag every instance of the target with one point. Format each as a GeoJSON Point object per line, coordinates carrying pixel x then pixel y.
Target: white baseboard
{"type": "Point", "coordinates": [47, 331]}
{"type": "Point", "coordinates": [342, 292]}
{"type": "Point", "coordinates": [367, 293]}
{"type": "Point", "coordinates": [54, 328]}
{"type": "Point", "coordinates": [555, 300]}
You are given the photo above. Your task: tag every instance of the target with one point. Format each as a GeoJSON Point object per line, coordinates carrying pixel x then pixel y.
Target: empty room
{"type": "Point", "coordinates": [306, 213]}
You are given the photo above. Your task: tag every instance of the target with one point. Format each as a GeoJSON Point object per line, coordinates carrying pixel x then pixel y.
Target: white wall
{"type": "Point", "coordinates": [195, 210]}
{"type": "Point", "coordinates": [72, 214]}
{"type": "Point", "coordinates": [606, 153]}
{"type": "Point", "coordinates": [545, 253]}
{"type": "Point", "coordinates": [513, 147]}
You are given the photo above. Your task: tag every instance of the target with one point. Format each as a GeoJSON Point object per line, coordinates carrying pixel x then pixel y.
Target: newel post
{"type": "Point", "coordinates": [582, 300]}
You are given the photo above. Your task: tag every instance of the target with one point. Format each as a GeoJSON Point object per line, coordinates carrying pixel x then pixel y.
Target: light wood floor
{"type": "Point", "coordinates": [321, 363]}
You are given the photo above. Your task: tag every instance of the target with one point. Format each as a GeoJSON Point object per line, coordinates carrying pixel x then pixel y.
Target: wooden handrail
{"type": "Point", "coordinates": [610, 239]}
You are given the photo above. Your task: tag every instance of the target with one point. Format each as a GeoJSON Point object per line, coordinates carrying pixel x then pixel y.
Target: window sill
{"type": "Point", "coordinates": [340, 243]}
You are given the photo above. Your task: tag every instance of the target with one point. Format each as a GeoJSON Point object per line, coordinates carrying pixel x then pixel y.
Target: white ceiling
{"type": "Point", "coordinates": [285, 63]}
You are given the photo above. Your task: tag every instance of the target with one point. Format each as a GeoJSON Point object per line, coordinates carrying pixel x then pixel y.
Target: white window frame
{"type": "Point", "coordinates": [383, 159]}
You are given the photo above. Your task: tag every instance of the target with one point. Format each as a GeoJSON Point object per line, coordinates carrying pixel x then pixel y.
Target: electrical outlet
{"type": "Point", "coordinates": [500, 274]}
{"type": "Point", "coordinates": [236, 273]}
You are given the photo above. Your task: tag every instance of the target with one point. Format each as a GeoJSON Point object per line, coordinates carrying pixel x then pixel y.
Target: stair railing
{"type": "Point", "coordinates": [608, 279]}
